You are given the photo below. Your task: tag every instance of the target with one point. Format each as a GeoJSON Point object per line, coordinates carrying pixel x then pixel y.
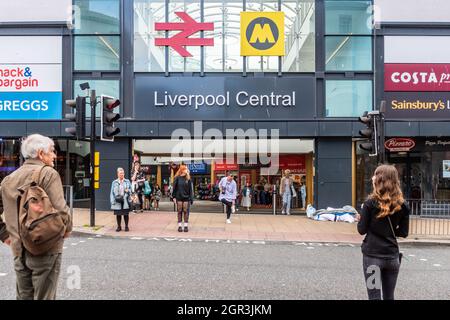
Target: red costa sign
{"type": "Point", "coordinates": [416, 77]}
{"type": "Point", "coordinates": [399, 144]}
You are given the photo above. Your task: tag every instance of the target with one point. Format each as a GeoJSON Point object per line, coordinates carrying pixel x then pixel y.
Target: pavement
{"type": "Point", "coordinates": [244, 226]}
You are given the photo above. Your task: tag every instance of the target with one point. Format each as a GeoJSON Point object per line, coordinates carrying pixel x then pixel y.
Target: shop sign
{"type": "Point", "coordinates": [416, 77]}
{"type": "Point", "coordinates": [197, 168]}
{"type": "Point", "coordinates": [226, 166]}
{"type": "Point", "coordinates": [224, 98]}
{"type": "Point", "coordinates": [399, 144]}
{"type": "Point", "coordinates": [30, 80]}
{"type": "Point", "coordinates": [295, 163]}
{"type": "Point", "coordinates": [417, 105]}
{"type": "Point", "coordinates": [262, 33]}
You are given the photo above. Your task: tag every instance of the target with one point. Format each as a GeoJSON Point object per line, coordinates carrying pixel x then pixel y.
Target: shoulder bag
{"type": "Point", "coordinates": [400, 254]}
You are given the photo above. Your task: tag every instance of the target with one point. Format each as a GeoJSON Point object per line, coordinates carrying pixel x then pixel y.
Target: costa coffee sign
{"type": "Point", "coordinates": [416, 77]}
{"type": "Point", "coordinates": [399, 144]}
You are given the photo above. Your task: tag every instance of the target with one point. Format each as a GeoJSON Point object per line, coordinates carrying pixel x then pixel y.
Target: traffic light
{"type": "Point", "coordinates": [79, 117]}
{"type": "Point", "coordinates": [369, 133]}
{"type": "Point", "coordinates": [108, 129]}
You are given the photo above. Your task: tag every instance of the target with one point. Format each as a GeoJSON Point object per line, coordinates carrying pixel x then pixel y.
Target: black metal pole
{"type": "Point", "coordinates": [92, 184]}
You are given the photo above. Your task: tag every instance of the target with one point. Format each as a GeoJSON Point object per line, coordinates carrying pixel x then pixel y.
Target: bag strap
{"type": "Point", "coordinates": [37, 174]}
{"type": "Point", "coordinates": [392, 229]}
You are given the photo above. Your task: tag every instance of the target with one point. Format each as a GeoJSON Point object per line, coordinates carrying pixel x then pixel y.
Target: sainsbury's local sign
{"type": "Point", "coordinates": [30, 80]}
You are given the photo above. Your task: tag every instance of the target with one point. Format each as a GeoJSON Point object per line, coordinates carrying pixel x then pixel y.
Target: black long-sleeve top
{"type": "Point", "coordinates": [183, 189]}
{"type": "Point", "coordinates": [379, 241]}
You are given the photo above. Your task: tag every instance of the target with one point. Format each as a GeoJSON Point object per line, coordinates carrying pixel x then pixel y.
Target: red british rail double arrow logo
{"type": "Point", "coordinates": [188, 27]}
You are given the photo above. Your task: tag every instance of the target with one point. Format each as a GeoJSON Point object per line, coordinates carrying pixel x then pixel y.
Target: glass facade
{"type": "Point", "coordinates": [97, 53]}
{"type": "Point", "coordinates": [348, 35]}
{"type": "Point", "coordinates": [348, 53]}
{"type": "Point", "coordinates": [97, 35]}
{"type": "Point", "coordinates": [348, 98]}
{"type": "Point", "coordinates": [224, 56]}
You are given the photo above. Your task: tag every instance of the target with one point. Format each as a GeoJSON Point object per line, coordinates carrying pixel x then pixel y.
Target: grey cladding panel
{"type": "Point", "coordinates": [12, 129]}
{"type": "Point", "coordinates": [303, 129]}
{"type": "Point", "coordinates": [335, 129]}
{"type": "Point", "coordinates": [334, 170]}
{"type": "Point", "coordinates": [51, 129]}
{"type": "Point", "coordinates": [402, 129]}
{"type": "Point", "coordinates": [334, 148]}
{"type": "Point", "coordinates": [334, 195]}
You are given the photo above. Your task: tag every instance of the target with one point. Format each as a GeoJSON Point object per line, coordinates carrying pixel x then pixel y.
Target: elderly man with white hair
{"type": "Point", "coordinates": [36, 275]}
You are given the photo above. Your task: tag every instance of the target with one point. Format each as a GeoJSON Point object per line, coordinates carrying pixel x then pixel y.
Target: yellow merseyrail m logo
{"type": "Point", "coordinates": [262, 33]}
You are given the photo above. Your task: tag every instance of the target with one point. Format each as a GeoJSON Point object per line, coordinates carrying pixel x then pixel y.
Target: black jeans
{"type": "Point", "coordinates": [228, 204]}
{"type": "Point", "coordinates": [380, 275]}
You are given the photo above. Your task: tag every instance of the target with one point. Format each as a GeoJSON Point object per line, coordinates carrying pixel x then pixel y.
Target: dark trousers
{"type": "Point", "coordinates": [228, 204]}
{"type": "Point", "coordinates": [380, 275]}
{"type": "Point", "coordinates": [37, 276]}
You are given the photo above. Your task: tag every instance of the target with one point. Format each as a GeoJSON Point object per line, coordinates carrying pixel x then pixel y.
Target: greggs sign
{"type": "Point", "coordinates": [416, 77]}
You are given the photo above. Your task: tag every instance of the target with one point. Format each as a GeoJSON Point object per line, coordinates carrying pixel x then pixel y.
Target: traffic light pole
{"type": "Point", "coordinates": [92, 184]}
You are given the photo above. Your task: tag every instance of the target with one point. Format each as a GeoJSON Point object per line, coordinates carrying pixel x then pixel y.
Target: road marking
{"type": "Point", "coordinates": [82, 241]}
{"type": "Point", "coordinates": [98, 235]}
{"type": "Point", "coordinates": [311, 248]}
{"type": "Point", "coordinates": [423, 259]}
{"type": "Point", "coordinates": [136, 238]}
{"type": "Point", "coordinates": [3, 274]}
{"type": "Point", "coordinates": [411, 255]}
{"type": "Point", "coordinates": [436, 265]}
{"type": "Point", "coordinates": [90, 238]}
{"type": "Point", "coordinates": [74, 244]}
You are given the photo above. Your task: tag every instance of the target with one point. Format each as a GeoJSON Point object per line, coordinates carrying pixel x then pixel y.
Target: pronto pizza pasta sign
{"type": "Point", "coordinates": [400, 144]}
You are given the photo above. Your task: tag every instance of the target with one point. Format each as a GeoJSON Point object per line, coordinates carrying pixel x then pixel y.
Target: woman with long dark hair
{"type": "Point", "coordinates": [183, 192]}
{"type": "Point", "coordinates": [384, 217]}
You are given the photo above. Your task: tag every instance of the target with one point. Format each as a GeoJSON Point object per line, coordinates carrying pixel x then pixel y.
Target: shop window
{"type": "Point", "coordinates": [97, 16]}
{"type": "Point", "coordinates": [97, 53]}
{"type": "Point", "coordinates": [348, 98]}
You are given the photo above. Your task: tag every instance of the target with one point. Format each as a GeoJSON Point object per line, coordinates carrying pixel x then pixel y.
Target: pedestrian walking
{"type": "Point", "coordinates": [120, 198]}
{"type": "Point", "coordinates": [228, 191]}
{"type": "Point", "coordinates": [247, 196]}
{"type": "Point", "coordinates": [157, 197]}
{"type": "Point", "coordinates": [286, 187]}
{"type": "Point", "coordinates": [384, 216]}
{"type": "Point", "coordinates": [30, 193]}
{"type": "Point", "coordinates": [183, 193]}
{"type": "Point", "coordinates": [138, 183]}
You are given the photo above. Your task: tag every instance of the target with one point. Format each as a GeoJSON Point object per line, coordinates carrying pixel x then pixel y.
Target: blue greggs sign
{"type": "Point", "coordinates": [30, 105]}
